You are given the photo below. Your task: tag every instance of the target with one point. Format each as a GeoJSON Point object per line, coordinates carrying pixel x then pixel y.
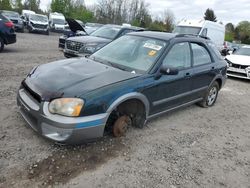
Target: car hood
{"type": "Point", "coordinates": [39, 22]}
{"type": "Point", "coordinates": [72, 78]}
{"type": "Point", "coordinates": [89, 39]}
{"type": "Point", "coordinates": [239, 59]}
{"type": "Point", "coordinates": [74, 25]}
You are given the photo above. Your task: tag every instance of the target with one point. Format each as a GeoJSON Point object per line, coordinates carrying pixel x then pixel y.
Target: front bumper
{"type": "Point", "coordinates": [239, 73]}
{"type": "Point", "coordinates": [68, 130]}
{"type": "Point", "coordinates": [62, 40]}
{"type": "Point", "coordinates": [18, 27]}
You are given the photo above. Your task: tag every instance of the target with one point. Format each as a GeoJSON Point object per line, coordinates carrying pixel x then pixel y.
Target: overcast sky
{"type": "Point", "coordinates": [226, 10]}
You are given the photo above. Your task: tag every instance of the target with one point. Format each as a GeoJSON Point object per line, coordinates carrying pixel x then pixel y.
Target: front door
{"type": "Point", "coordinates": [174, 90]}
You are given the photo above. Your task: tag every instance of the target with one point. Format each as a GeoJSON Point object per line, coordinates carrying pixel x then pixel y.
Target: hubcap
{"type": "Point", "coordinates": [212, 96]}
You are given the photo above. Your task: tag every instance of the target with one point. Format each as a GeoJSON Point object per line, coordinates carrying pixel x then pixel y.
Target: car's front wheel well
{"type": "Point", "coordinates": [133, 108]}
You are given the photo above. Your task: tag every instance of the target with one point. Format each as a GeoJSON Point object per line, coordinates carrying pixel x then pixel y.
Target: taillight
{"type": "Point", "coordinates": [9, 24]}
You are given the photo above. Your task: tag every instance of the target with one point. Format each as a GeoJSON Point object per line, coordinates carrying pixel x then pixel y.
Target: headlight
{"type": "Point", "coordinates": [90, 48]}
{"type": "Point", "coordinates": [66, 106]}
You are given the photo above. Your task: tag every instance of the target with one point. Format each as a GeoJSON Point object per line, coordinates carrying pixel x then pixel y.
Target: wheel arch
{"type": "Point", "coordinates": [130, 96]}
{"type": "Point", "coordinates": [218, 79]}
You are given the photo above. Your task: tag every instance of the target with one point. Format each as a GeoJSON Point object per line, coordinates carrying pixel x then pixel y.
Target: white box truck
{"type": "Point", "coordinates": [213, 30]}
{"type": "Point", "coordinates": [57, 22]}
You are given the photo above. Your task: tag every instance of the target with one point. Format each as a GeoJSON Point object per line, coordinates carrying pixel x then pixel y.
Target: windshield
{"type": "Point", "coordinates": [106, 32]}
{"type": "Point", "coordinates": [59, 21]}
{"type": "Point", "coordinates": [11, 14]}
{"type": "Point", "coordinates": [243, 51]}
{"type": "Point", "coordinates": [36, 17]}
{"type": "Point", "coordinates": [132, 53]}
{"type": "Point", "coordinates": [187, 30]}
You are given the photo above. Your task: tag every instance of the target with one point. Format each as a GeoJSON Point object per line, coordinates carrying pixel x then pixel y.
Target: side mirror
{"type": "Point", "coordinates": [168, 70]}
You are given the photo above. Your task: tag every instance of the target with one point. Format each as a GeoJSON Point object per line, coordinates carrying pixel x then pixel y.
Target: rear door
{"type": "Point", "coordinates": [203, 69]}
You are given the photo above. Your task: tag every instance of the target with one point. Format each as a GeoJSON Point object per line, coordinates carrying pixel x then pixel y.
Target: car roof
{"type": "Point", "coordinates": [155, 34]}
{"type": "Point", "coordinates": [124, 26]}
{"type": "Point", "coordinates": [246, 46]}
{"type": "Point", "coordinates": [166, 36]}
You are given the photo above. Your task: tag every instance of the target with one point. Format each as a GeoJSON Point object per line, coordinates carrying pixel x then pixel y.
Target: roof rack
{"type": "Point", "coordinates": [194, 35]}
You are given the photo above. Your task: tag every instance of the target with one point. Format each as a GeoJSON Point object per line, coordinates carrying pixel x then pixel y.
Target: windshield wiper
{"type": "Point", "coordinates": [108, 63]}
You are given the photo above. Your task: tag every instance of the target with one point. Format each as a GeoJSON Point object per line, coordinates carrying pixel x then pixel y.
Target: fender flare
{"type": "Point", "coordinates": [216, 78]}
{"type": "Point", "coordinates": [128, 96]}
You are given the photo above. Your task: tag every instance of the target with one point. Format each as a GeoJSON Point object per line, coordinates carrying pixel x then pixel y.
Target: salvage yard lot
{"type": "Point", "coordinates": [190, 147]}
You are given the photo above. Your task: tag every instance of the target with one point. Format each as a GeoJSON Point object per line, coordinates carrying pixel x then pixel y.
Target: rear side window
{"type": "Point", "coordinates": [200, 54]}
{"type": "Point", "coordinates": [179, 56]}
{"type": "Point", "coordinates": [215, 49]}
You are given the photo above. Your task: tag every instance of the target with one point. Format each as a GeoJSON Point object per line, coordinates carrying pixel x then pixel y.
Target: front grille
{"type": "Point", "coordinates": [61, 40]}
{"type": "Point", "coordinates": [31, 92]}
{"type": "Point", "coordinates": [237, 73]}
{"type": "Point", "coordinates": [74, 46]}
{"type": "Point", "coordinates": [39, 26]}
{"type": "Point", "coordinates": [14, 21]}
{"type": "Point", "coordinates": [238, 66]}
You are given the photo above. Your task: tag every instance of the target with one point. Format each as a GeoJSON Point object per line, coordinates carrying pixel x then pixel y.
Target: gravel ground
{"type": "Point", "coordinates": [191, 147]}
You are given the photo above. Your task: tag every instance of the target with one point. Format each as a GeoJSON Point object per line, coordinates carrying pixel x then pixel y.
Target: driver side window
{"type": "Point", "coordinates": [179, 56]}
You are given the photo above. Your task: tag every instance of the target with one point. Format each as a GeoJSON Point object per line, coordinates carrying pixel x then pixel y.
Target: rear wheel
{"type": "Point", "coordinates": [1, 44]}
{"type": "Point", "coordinates": [211, 95]}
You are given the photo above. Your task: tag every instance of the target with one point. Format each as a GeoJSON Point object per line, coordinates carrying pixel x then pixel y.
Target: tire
{"type": "Point", "coordinates": [211, 96]}
{"type": "Point", "coordinates": [1, 44]}
{"type": "Point", "coordinates": [22, 30]}
{"type": "Point", "coordinates": [47, 32]}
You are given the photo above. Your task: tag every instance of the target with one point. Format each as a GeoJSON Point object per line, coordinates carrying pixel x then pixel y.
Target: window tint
{"type": "Point", "coordinates": [200, 54]}
{"type": "Point", "coordinates": [178, 56]}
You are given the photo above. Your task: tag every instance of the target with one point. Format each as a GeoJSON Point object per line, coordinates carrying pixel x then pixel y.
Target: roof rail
{"type": "Point", "coordinates": [194, 35]}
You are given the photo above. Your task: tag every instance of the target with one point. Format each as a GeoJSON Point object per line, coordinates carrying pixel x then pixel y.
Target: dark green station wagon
{"type": "Point", "coordinates": [129, 81]}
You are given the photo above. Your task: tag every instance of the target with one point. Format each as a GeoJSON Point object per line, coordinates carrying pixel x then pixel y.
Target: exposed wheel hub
{"type": "Point", "coordinates": [121, 126]}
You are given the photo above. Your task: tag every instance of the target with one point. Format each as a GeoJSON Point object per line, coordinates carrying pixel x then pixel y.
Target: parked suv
{"type": "Point", "coordinates": [15, 18]}
{"type": "Point", "coordinates": [76, 28]}
{"type": "Point", "coordinates": [129, 81]}
{"type": "Point", "coordinates": [86, 45]}
{"type": "Point", "coordinates": [7, 32]}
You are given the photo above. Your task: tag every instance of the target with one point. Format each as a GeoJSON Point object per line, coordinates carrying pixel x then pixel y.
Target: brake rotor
{"type": "Point", "coordinates": [121, 126]}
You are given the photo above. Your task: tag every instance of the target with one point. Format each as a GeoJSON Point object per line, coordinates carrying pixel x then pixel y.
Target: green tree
{"type": "Point", "coordinates": [5, 5]}
{"type": "Point", "coordinates": [243, 32]}
{"type": "Point", "coordinates": [18, 6]}
{"type": "Point", "coordinates": [209, 15]}
{"type": "Point", "coordinates": [32, 5]}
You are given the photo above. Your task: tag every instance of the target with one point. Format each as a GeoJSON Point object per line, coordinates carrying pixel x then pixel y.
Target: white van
{"type": "Point", "coordinates": [25, 16]}
{"type": "Point", "coordinates": [213, 30]}
{"type": "Point", "coordinates": [57, 21]}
